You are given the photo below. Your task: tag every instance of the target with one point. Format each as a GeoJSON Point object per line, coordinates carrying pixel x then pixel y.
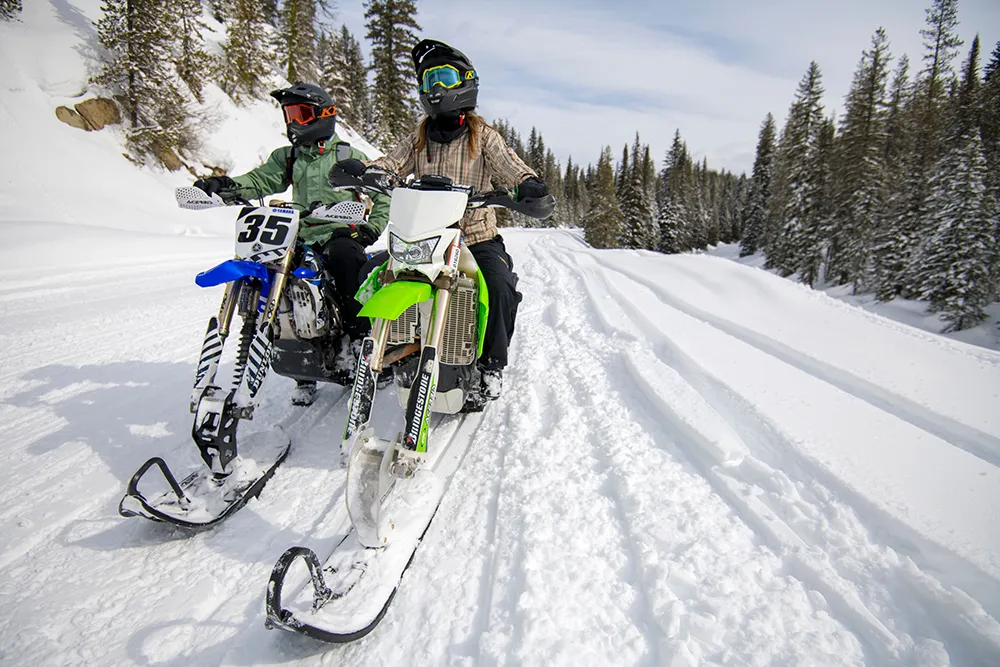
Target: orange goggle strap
{"type": "Point", "coordinates": [303, 114]}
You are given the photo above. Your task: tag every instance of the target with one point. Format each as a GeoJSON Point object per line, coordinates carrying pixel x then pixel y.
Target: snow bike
{"type": "Point", "coordinates": [290, 324]}
{"type": "Point", "coordinates": [429, 306]}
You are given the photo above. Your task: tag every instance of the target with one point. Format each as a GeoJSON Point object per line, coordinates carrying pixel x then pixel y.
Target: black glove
{"type": "Point", "coordinates": [216, 184]}
{"type": "Point", "coordinates": [363, 234]}
{"type": "Point", "coordinates": [346, 172]}
{"type": "Point", "coordinates": [530, 188]}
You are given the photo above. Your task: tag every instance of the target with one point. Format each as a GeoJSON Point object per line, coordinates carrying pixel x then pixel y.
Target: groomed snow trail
{"type": "Point", "coordinates": [694, 463]}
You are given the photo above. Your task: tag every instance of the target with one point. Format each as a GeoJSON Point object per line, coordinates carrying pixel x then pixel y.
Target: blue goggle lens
{"type": "Point", "coordinates": [447, 77]}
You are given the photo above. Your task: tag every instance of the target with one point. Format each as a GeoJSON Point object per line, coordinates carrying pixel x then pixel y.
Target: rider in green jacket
{"type": "Point", "coordinates": [310, 120]}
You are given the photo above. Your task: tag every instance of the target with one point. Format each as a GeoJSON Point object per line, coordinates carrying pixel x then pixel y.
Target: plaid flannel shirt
{"type": "Point", "coordinates": [496, 165]}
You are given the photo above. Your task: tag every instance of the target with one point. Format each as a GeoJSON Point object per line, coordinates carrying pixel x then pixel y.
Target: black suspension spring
{"type": "Point", "coordinates": [247, 333]}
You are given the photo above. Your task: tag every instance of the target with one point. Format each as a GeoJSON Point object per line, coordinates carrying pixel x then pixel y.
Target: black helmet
{"type": "Point", "coordinates": [444, 95]}
{"type": "Point", "coordinates": [310, 115]}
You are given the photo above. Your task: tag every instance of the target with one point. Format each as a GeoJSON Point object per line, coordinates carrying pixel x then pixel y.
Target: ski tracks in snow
{"type": "Point", "coordinates": [873, 574]}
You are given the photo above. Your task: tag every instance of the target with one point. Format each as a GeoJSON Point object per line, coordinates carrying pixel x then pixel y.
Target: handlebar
{"type": "Point", "coordinates": [383, 181]}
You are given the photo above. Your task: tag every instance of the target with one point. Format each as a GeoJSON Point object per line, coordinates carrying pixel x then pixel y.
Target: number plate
{"type": "Point", "coordinates": [266, 233]}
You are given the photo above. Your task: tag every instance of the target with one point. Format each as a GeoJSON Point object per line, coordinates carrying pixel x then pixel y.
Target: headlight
{"type": "Point", "coordinates": [417, 252]}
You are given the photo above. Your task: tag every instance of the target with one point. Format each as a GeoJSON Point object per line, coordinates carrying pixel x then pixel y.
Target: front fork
{"type": "Point", "coordinates": [217, 412]}
{"type": "Point", "coordinates": [412, 449]}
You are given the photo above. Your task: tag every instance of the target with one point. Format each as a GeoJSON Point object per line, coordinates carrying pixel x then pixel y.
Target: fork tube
{"type": "Point", "coordinates": [277, 288]}
{"type": "Point", "coordinates": [380, 332]}
{"type": "Point", "coordinates": [439, 313]}
{"type": "Point", "coordinates": [228, 307]}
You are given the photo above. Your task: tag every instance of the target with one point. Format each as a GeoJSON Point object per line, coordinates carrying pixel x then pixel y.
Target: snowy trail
{"type": "Point", "coordinates": [693, 464]}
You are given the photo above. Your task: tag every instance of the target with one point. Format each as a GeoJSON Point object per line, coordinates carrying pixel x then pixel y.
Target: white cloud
{"type": "Point", "coordinates": [588, 74]}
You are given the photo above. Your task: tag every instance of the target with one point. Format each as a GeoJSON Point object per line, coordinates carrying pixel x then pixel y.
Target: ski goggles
{"type": "Point", "coordinates": [446, 76]}
{"type": "Point", "coordinates": [303, 114]}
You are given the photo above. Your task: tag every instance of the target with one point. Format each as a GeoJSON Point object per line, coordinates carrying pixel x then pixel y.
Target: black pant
{"type": "Point", "coordinates": [498, 272]}
{"type": "Point", "coordinates": [344, 257]}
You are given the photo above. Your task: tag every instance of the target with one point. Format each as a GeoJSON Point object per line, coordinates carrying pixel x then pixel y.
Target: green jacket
{"type": "Point", "coordinates": [309, 185]}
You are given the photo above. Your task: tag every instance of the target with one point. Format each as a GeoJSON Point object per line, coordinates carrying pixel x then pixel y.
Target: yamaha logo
{"type": "Point", "coordinates": [257, 247]}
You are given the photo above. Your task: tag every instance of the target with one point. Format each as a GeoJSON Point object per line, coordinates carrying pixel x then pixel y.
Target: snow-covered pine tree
{"type": "Point", "coordinates": [954, 268]}
{"type": "Point", "coordinates": [10, 10]}
{"type": "Point", "coordinates": [637, 213]}
{"type": "Point", "coordinates": [245, 56]}
{"type": "Point", "coordinates": [794, 193]}
{"type": "Point", "coordinates": [602, 223]}
{"type": "Point", "coordinates": [191, 60]}
{"type": "Point", "coordinates": [391, 32]}
{"type": "Point", "coordinates": [622, 173]}
{"type": "Point", "coordinates": [697, 216]}
{"type": "Point", "coordinates": [966, 112]}
{"type": "Point", "coordinates": [889, 244]}
{"type": "Point", "coordinates": [346, 77]}
{"type": "Point", "coordinates": [670, 211]}
{"type": "Point", "coordinates": [860, 168]}
{"type": "Point", "coordinates": [297, 38]}
{"type": "Point", "coordinates": [929, 116]}
{"type": "Point", "coordinates": [990, 132]}
{"type": "Point", "coordinates": [755, 213]}
{"type": "Point", "coordinates": [552, 176]}
{"type": "Point", "coordinates": [138, 39]}
{"type": "Point", "coordinates": [808, 248]}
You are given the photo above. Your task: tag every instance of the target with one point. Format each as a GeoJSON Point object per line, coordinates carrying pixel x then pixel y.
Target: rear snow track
{"type": "Point", "coordinates": [681, 472]}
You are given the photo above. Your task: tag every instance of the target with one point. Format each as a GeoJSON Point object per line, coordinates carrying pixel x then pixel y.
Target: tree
{"type": "Point", "coordinates": [190, 59]}
{"type": "Point", "coordinates": [344, 75]}
{"type": "Point", "coordinates": [672, 214]}
{"type": "Point", "coordinates": [391, 25]}
{"type": "Point", "coordinates": [602, 223]}
{"type": "Point", "coordinates": [888, 246]}
{"type": "Point", "coordinates": [941, 44]}
{"type": "Point", "coordinates": [860, 167]}
{"type": "Point", "coordinates": [638, 220]}
{"type": "Point", "coordinates": [297, 34]}
{"type": "Point", "coordinates": [954, 268]}
{"type": "Point", "coordinates": [795, 191]}
{"type": "Point", "coordinates": [244, 65]}
{"type": "Point", "coordinates": [137, 37]}
{"type": "Point", "coordinates": [9, 9]}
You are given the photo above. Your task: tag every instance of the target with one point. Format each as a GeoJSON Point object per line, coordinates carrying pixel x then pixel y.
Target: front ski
{"type": "Point", "coordinates": [351, 591]}
{"type": "Point", "coordinates": [203, 499]}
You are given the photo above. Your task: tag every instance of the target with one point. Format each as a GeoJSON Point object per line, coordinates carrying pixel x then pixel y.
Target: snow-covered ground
{"type": "Point", "coordinates": [913, 313]}
{"type": "Point", "coordinates": [695, 462]}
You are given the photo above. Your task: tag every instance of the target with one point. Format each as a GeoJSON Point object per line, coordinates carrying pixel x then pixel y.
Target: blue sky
{"type": "Point", "coordinates": [590, 73]}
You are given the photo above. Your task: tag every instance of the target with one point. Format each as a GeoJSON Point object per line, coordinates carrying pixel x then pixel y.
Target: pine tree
{"type": "Point", "coordinates": [860, 168]}
{"type": "Point", "coordinates": [244, 65]}
{"type": "Point", "coordinates": [930, 105]}
{"type": "Point", "coordinates": [137, 37]}
{"type": "Point", "coordinates": [10, 9]}
{"type": "Point", "coordinates": [391, 31]}
{"type": "Point", "coordinates": [888, 245]}
{"type": "Point", "coordinates": [672, 213]}
{"type": "Point", "coordinates": [602, 223]}
{"type": "Point", "coordinates": [967, 113]}
{"type": "Point", "coordinates": [990, 131]}
{"type": "Point", "coordinates": [808, 248]}
{"type": "Point", "coordinates": [954, 269]}
{"type": "Point", "coordinates": [755, 213]}
{"type": "Point", "coordinates": [190, 59]}
{"type": "Point", "coordinates": [795, 192]}
{"type": "Point", "coordinates": [297, 31]}
{"type": "Point", "coordinates": [348, 81]}
{"type": "Point", "coordinates": [637, 213]}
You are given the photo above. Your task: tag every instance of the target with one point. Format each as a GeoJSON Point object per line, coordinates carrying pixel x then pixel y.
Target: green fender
{"type": "Point", "coordinates": [390, 301]}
